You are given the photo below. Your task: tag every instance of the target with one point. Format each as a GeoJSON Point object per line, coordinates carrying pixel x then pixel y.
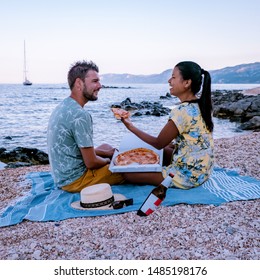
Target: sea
{"type": "Point", "coordinates": [25, 111]}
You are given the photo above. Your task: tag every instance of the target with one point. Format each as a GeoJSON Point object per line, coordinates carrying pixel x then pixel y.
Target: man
{"type": "Point", "coordinates": [75, 163]}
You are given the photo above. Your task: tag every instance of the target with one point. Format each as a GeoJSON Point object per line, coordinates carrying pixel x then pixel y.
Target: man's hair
{"type": "Point", "coordinates": [79, 70]}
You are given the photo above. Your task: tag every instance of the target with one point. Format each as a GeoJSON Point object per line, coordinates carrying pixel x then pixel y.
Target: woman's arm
{"type": "Point", "coordinates": [167, 134]}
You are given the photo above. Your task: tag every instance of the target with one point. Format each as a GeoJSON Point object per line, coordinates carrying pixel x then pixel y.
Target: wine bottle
{"type": "Point", "coordinates": [155, 198]}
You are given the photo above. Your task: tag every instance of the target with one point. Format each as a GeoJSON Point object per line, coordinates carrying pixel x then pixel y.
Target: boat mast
{"type": "Point", "coordinates": [24, 61]}
{"type": "Point", "coordinates": [26, 81]}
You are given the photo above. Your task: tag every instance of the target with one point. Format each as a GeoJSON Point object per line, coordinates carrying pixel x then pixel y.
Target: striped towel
{"type": "Point", "coordinates": [47, 203]}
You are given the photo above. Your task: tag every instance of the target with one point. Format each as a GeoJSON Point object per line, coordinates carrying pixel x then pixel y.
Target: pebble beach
{"type": "Point", "coordinates": [230, 231]}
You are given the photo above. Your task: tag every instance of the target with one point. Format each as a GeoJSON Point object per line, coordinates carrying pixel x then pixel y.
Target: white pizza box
{"type": "Point", "coordinates": [128, 142]}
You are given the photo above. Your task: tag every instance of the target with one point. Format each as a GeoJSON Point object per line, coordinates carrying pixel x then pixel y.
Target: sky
{"type": "Point", "coordinates": [124, 36]}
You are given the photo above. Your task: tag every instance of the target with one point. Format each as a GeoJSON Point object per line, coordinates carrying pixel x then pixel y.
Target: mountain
{"type": "Point", "coordinates": [239, 74]}
{"type": "Point", "coordinates": [136, 79]}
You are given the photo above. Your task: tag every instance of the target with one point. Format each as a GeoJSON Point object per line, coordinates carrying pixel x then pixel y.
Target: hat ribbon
{"type": "Point", "coordinates": [98, 204]}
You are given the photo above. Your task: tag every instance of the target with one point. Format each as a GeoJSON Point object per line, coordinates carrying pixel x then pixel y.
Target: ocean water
{"type": "Point", "coordinates": [25, 111]}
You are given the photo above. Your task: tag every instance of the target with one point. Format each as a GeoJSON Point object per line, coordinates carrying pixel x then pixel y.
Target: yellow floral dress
{"type": "Point", "coordinates": [193, 160]}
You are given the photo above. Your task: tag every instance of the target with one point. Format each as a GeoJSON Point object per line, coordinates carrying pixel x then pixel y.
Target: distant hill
{"type": "Point", "coordinates": [137, 79]}
{"type": "Point", "coordinates": [240, 74]}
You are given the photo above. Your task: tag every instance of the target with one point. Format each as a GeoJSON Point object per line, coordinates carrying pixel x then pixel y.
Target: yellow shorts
{"type": "Point", "coordinates": [95, 176]}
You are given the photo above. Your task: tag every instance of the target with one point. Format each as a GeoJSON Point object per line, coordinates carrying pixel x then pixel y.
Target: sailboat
{"type": "Point", "coordinates": [26, 81]}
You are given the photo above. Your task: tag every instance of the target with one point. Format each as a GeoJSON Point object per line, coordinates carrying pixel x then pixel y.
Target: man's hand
{"type": "Point", "coordinates": [92, 160]}
{"type": "Point", "coordinates": [105, 151]}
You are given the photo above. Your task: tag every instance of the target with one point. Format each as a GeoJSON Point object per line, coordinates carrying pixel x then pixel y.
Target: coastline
{"type": "Point", "coordinates": [186, 232]}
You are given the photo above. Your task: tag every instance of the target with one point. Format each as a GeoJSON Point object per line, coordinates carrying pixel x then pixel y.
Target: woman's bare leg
{"type": "Point", "coordinates": [168, 153]}
{"type": "Point", "coordinates": [149, 178]}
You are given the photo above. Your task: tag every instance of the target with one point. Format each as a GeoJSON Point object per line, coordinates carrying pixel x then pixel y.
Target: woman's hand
{"type": "Point", "coordinates": [127, 122]}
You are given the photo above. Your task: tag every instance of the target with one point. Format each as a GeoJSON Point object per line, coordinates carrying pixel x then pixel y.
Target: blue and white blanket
{"type": "Point", "coordinates": [47, 203]}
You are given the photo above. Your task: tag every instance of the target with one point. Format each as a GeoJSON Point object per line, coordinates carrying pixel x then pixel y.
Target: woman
{"type": "Point", "coordinates": [190, 125]}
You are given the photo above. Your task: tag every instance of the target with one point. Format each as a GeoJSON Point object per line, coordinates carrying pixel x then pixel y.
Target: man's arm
{"type": "Point", "coordinates": [92, 160]}
{"type": "Point", "coordinates": [105, 150]}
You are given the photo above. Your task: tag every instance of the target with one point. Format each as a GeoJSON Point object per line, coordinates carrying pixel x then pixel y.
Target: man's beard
{"type": "Point", "coordinates": [89, 96]}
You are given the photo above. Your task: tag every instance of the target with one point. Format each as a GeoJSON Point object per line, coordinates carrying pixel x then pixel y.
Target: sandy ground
{"type": "Point", "coordinates": [197, 232]}
{"type": "Point", "coordinates": [252, 91]}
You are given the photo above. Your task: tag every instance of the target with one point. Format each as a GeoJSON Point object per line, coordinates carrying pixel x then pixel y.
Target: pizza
{"type": "Point", "coordinates": [137, 155]}
{"type": "Point", "coordinates": [120, 113]}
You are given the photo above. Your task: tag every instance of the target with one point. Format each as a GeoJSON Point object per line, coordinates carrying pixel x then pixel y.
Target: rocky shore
{"type": "Point", "coordinates": [143, 108]}
{"type": "Point", "coordinates": [22, 156]}
{"type": "Point", "coordinates": [239, 107]}
{"type": "Point", "coordinates": [185, 232]}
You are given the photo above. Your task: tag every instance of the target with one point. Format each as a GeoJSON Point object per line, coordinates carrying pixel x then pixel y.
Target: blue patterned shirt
{"type": "Point", "coordinates": [70, 128]}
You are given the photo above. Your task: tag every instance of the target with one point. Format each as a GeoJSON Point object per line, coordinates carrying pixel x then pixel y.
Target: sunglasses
{"type": "Point", "coordinates": [121, 203]}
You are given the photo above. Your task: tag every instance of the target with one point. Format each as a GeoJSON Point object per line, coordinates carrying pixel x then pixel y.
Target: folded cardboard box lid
{"type": "Point", "coordinates": [128, 142]}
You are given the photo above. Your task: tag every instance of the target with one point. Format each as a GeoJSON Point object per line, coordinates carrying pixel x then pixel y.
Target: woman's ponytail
{"type": "Point", "coordinates": [191, 70]}
{"type": "Point", "coordinates": [205, 102]}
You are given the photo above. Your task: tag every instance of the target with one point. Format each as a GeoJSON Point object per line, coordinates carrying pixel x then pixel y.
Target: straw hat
{"type": "Point", "coordinates": [97, 197]}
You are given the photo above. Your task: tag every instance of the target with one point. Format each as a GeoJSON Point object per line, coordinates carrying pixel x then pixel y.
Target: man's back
{"type": "Point", "coordinates": [69, 129]}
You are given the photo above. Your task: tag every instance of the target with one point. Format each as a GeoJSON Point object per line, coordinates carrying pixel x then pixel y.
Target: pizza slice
{"type": "Point", "coordinates": [120, 113]}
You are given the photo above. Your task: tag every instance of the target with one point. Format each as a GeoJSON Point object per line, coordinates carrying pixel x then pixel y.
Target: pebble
{"type": "Point", "coordinates": [33, 245]}
{"type": "Point", "coordinates": [36, 254]}
{"type": "Point", "coordinates": [230, 230]}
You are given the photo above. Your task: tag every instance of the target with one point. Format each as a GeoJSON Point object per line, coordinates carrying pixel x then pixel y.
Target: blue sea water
{"type": "Point", "coordinates": [25, 111]}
